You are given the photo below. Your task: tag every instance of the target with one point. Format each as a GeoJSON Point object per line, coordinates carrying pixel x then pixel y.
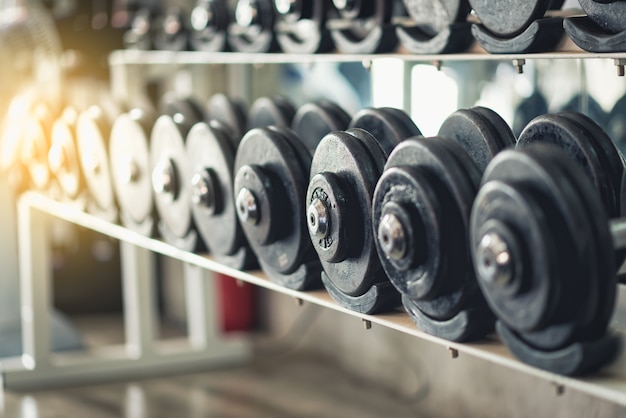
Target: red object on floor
{"type": "Point", "coordinates": [236, 304]}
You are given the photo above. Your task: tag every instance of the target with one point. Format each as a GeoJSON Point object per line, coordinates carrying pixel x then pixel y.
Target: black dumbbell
{"type": "Point", "coordinates": [211, 149]}
{"type": "Point", "coordinates": [511, 26]}
{"type": "Point", "coordinates": [141, 32]}
{"type": "Point", "coordinates": [208, 23]}
{"type": "Point", "coordinates": [586, 104]}
{"type": "Point", "coordinates": [602, 30]}
{"type": "Point", "coordinates": [617, 124]}
{"type": "Point", "coordinates": [272, 166]}
{"type": "Point", "coordinates": [544, 255]}
{"type": "Point", "coordinates": [63, 158]}
{"type": "Point", "coordinates": [529, 108]}
{"type": "Point", "coordinates": [314, 120]}
{"type": "Point", "coordinates": [362, 27]}
{"type": "Point", "coordinates": [588, 145]}
{"type": "Point", "coordinates": [129, 159]}
{"type": "Point", "coordinates": [271, 111]}
{"type": "Point", "coordinates": [252, 29]}
{"type": "Point", "coordinates": [170, 169]}
{"type": "Point", "coordinates": [171, 32]}
{"type": "Point", "coordinates": [301, 26]}
{"type": "Point", "coordinates": [231, 113]}
{"type": "Point", "coordinates": [421, 215]}
{"type": "Point", "coordinates": [93, 131]}
{"type": "Point", "coordinates": [435, 27]}
{"type": "Point", "coordinates": [344, 171]}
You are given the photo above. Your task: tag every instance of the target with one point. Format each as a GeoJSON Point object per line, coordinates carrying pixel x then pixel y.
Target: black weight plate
{"type": "Point", "coordinates": [481, 133]}
{"type": "Point", "coordinates": [357, 160]}
{"type": "Point", "coordinates": [389, 126]}
{"type": "Point", "coordinates": [609, 15]}
{"type": "Point", "coordinates": [252, 30]}
{"type": "Point", "coordinates": [171, 32]}
{"type": "Point", "coordinates": [92, 136]}
{"type": "Point", "coordinates": [270, 111]}
{"type": "Point", "coordinates": [565, 236]}
{"type": "Point", "coordinates": [314, 120]}
{"type": "Point", "coordinates": [184, 111]}
{"type": "Point", "coordinates": [365, 29]}
{"type": "Point", "coordinates": [210, 148]}
{"type": "Point", "coordinates": [231, 113]}
{"type": "Point", "coordinates": [167, 149]}
{"type": "Point", "coordinates": [434, 16]}
{"type": "Point", "coordinates": [601, 278]}
{"type": "Point", "coordinates": [529, 108]}
{"type": "Point", "coordinates": [270, 151]}
{"type": "Point", "coordinates": [63, 157]}
{"type": "Point", "coordinates": [581, 145]}
{"type": "Point", "coordinates": [129, 158]}
{"type": "Point", "coordinates": [35, 144]}
{"type": "Point", "coordinates": [300, 27]}
{"type": "Point", "coordinates": [424, 176]}
{"type": "Point", "coordinates": [208, 22]}
{"type": "Point", "coordinates": [507, 18]}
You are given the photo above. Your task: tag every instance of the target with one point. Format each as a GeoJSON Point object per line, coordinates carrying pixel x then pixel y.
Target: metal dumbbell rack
{"type": "Point", "coordinates": [142, 354]}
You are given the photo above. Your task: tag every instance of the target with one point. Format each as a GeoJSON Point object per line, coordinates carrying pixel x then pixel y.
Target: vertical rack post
{"type": "Point", "coordinates": [202, 306]}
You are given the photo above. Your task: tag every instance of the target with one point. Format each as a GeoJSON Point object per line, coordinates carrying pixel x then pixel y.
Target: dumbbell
{"type": "Point", "coordinates": [587, 104]}
{"type": "Point", "coordinates": [344, 171]}
{"type": "Point", "coordinates": [141, 32]}
{"type": "Point", "coordinates": [544, 253]}
{"type": "Point", "coordinates": [529, 108]}
{"type": "Point", "coordinates": [617, 123]}
{"type": "Point", "coordinates": [434, 27]}
{"type": "Point", "coordinates": [230, 112]}
{"type": "Point", "coordinates": [93, 131]}
{"type": "Point", "coordinates": [586, 144]}
{"type": "Point", "coordinates": [211, 149]}
{"type": "Point", "coordinates": [209, 20]}
{"type": "Point", "coordinates": [272, 166]}
{"type": "Point", "coordinates": [170, 168]}
{"type": "Point", "coordinates": [421, 213]}
{"type": "Point", "coordinates": [129, 161]}
{"type": "Point", "coordinates": [362, 27]}
{"type": "Point", "coordinates": [301, 26]}
{"type": "Point", "coordinates": [511, 26]}
{"type": "Point", "coordinates": [603, 29]}
{"type": "Point", "coordinates": [314, 120]}
{"type": "Point", "coordinates": [171, 32]}
{"type": "Point", "coordinates": [35, 145]}
{"type": "Point", "coordinates": [63, 158]}
{"type": "Point", "coordinates": [271, 111]}
{"type": "Point", "coordinates": [252, 30]}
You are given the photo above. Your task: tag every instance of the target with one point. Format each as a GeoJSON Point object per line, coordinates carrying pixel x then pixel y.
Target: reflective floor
{"type": "Point", "coordinates": [281, 386]}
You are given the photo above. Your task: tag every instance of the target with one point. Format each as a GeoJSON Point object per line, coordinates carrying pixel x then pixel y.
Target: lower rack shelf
{"type": "Point", "coordinates": [609, 384]}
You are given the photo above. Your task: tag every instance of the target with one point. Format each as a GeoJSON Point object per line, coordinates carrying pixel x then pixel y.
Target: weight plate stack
{"type": "Point", "coordinates": [314, 120]}
{"type": "Point", "coordinates": [435, 27]}
{"type": "Point", "coordinates": [170, 168]}
{"type": "Point", "coordinates": [208, 23]}
{"type": "Point", "coordinates": [344, 172]}
{"type": "Point", "coordinates": [129, 161]}
{"type": "Point", "coordinates": [602, 30]}
{"type": "Point", "coordinates": [421, 215]}
{"type": "Point", "coordinates": [211, 149]}
{"type": "Point", "coordinates": [171, 32]}
{"type": "Point", "coordinates": [511, 26]}
{"type": "Point", "coordinates": [64, 161]}
{"type": "Point", "coordinates": [271, 111]}
{"type": "Point", "coordinates": [301, 26]}
{"type": "Point", "coordinates": [252, 30]}
{"type": "Point", "coordinates": [93, 132]}
{"type": "Point", "coordinates": [543, 253]}
{"type": "Point", "coordinates": [362, 27]}
{"type": "Point", "coordinates": [272, 167]}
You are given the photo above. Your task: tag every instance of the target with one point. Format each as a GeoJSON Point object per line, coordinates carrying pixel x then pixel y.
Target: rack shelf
{"type": "Point", "coordinates": [609, 384]}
